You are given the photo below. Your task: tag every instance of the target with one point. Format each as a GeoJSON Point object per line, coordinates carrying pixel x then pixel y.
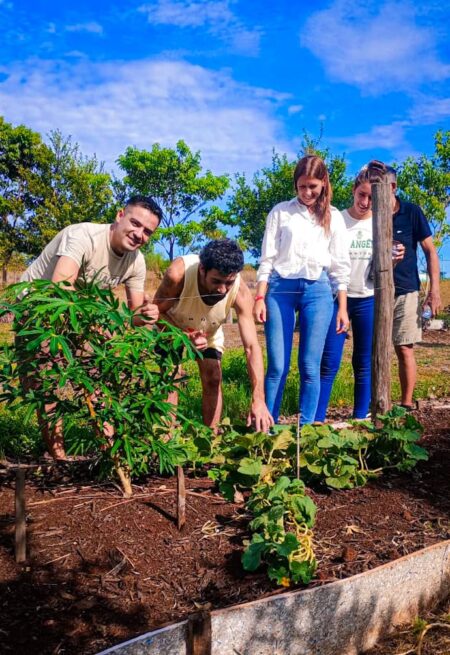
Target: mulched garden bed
{"type": "Point", "coordinates": [102, 569]}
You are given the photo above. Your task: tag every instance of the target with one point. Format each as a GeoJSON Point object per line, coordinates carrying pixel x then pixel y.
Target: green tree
{"type": "Point", "coordinates": [173, 177]}
{"type": "Point", "coordinates": [251, 202]}
{"type": "Point", "coordinates": [43, 188]}
{"type": "Point", "coordinates": [71, 188]}
{"type": "Point", "coordinates": [22, 155]}
{"type": "Point", "coordinates": [425, 181]}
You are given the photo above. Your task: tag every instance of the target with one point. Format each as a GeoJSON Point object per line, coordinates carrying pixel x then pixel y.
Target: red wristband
{"type": "Point", "coordinates": [259, 298]}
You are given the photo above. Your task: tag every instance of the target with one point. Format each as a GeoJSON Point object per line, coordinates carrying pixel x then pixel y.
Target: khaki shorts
{"type": "Point", "coordinates": [407, 327]}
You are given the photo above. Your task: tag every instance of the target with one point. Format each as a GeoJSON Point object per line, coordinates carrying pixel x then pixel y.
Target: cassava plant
{"type": "Point", "coordinates": [78, 358]}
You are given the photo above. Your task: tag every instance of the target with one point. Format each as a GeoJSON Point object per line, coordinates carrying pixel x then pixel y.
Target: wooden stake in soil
{"type": "Point", "coordinates": [21, 527]}
{"type": "Point", "coordinates": [181, 498]}
{"type": "Point", "coordinates": [199, 634]}
{"type": "Point", "coordinates": [384, 298]}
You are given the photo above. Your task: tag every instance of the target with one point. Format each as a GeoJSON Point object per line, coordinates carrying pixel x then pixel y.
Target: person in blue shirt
{"type": "Point", "coordinates": [411, 228]}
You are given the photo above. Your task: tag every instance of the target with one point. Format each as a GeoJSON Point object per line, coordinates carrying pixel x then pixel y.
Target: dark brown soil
{"type": "Point", "coordinates": [102, 569]}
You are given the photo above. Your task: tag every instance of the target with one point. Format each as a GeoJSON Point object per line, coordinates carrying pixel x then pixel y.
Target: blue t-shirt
{"type": "Point", "coordinates": [410, 228]}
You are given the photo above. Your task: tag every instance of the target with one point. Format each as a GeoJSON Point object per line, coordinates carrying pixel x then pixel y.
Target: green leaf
{"type": "Point", "coordinates": [304, 509]}
{"type": "Point", "coordinates": [288, 546]}
{"type": "Point", "coordinates": [301, 571]}
{"type": "Point", "coordinates": [341, 482]}
{"type": "Point", "coordinates": [279, 573]}
{"type": "Point", "coordinates": [251, 558]}
{"type": "Point", "coordinates": [280, 485]}
{"type": "Point", "coordinates": [248, 466]}
{"type": "Point", "coordinates": [417, 452]}
{"type": "Point", "coordinates": [282, 440]}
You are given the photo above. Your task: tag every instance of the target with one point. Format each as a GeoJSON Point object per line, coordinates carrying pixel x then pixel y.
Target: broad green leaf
{"type": "Point", "coordinates": [304, 509]}
{"type": "Point", "coordinates": [280, 485]}
{"type": "Point", "coordinates": [302, 571]}
{"type": "Point", "coordinates": [341, 482]}
{"type": "Point", "coordinates": [251, 558]}
{"type": "Point", "coordinates": [288, 546]}
{"type": "Point", "coordinates": [282, 440]}
{"type": "Point", "coordinates": [248, 466]}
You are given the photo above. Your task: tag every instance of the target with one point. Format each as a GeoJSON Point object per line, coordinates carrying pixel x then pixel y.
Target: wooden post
{"type": "Point", "coordinates": [21, 527]}
{"type": "Point", "coordinates": [181, 498]}
{"type": "Point", "coordinates": [384, 298]}
{"type": "Point", "coordinates": [199, 634]}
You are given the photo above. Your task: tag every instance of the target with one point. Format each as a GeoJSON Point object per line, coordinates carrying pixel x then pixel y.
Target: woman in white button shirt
{"type": "Point", "coordinates": [304, 255]}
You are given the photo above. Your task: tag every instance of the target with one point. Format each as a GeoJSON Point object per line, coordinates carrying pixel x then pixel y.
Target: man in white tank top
{"type": "Point", "coordinates": [197, 294]}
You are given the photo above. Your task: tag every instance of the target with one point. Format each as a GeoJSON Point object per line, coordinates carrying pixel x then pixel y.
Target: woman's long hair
{"type": "Point", "coordinates": [313, 166]}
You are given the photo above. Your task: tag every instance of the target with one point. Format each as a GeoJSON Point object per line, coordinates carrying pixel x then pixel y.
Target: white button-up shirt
{"type": "Point", "coordinates": [296, 246]}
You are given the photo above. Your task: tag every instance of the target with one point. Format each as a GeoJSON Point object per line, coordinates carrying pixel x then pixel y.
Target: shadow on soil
{"type": "Point", "coordinates": [56, 604]}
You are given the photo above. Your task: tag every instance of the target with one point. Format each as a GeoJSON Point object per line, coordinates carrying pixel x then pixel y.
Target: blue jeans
{"type": "Point", "coordinates": [360, 311]}
{"type": "Point", "coordinates": [314, 302]}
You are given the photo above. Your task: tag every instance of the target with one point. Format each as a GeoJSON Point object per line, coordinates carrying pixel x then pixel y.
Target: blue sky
{"type": "Point", "coordinates": [234, 79]}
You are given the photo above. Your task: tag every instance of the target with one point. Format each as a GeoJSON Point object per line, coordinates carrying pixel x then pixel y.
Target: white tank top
{"type": "Point", "coordinates": [190, 312]}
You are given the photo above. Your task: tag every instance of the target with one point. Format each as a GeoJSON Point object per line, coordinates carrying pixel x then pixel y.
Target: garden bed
{"type": "Point", "coordinates": [102, 570]}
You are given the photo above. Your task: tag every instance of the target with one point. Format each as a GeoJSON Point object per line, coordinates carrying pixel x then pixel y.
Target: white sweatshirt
{"type": "Point", "coordinates": [296, 246]}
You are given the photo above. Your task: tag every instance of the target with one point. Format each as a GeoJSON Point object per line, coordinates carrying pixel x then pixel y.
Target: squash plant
{"type": "Point", "coordinates": [282, 536]}
{"type": "Point", "coordinates": [263, 467]}
{"type": "Point", "coordinates": [78, 358]}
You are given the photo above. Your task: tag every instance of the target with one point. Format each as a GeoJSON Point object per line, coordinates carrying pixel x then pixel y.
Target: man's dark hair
{"type": "Point", "coordinates": [377, 170]}
{"type": "Point", "coordinates": [146, 202]}
{"type": "Point", "coordinates": [224, 255]}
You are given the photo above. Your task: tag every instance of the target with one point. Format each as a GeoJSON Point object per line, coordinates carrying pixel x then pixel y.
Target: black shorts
{"type": "Point", "coordinates": [208, 353]}
{"type": "Point", "coordinates": [211, 353]}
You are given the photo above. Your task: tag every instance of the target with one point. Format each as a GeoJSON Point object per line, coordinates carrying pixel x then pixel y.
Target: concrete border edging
{"type": "Point", "coordinates": [344, 617]}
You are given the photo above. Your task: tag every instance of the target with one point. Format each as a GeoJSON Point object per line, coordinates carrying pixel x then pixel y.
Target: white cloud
{"type": "Point", "coordinates": [215, 16]}
{"type": "Point", "coordinates": [294, 109]}
{"type": "Point", "coordinates": [389, 137]}
{"type": "Point", "coordinates": [183, 13]}
{"type": "Point", "coordinates": [430, 111]}
{"type": "Point", "coordinates": [90, 27]}
{"type": "Point", "coordinates": [376, 48]}
{"type": "Point", "coordinates": [109, 106]}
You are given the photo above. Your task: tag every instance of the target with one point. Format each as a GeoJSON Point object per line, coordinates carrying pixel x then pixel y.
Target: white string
{"type": "Point", "coordinates": [272, 293]}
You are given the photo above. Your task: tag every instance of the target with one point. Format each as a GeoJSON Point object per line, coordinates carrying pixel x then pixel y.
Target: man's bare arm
{"type": "Point", "coordinates": [147, 312]}
{"type": "Point", "coordinates": [434, 297]}
{"type": "Point", "coordinates": [259, 414]}
{"type": "Point", "coordinates": [66, 270]}
{"type": "Point", "coordinates": [167, 295]}
{"type": "Point", "coordinates": [171, 286]}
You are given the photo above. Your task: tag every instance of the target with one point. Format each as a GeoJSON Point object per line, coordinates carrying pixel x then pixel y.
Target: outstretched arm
{"type": "Point", "coordinates": [259, 415]}
{"type": "Point", "coordinates": [167, 295]}
{"type": "Point", "coordinates": [433, 298]}
{"type": "Point", "coordinates": [147, 312]}
{"type": "Point", "coordinates": [66, 270]}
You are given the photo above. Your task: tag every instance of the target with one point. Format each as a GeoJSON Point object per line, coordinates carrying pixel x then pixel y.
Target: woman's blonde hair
{"type": "Point", "coordinates": [313, 166]}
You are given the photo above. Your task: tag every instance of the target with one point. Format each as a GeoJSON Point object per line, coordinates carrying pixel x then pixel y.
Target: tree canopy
{"type": "Point", "coordinates": [425, 181]}
{"type": "Point", "coordinates": [173, 177]}
{"type": "Point", "coordinates": [45, 187]}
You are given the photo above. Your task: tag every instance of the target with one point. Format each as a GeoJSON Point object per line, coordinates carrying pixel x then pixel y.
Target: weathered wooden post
{"type": "Point", "coordinates": [181, 498]}
{"type": "Point", "coordinates": [21, 526]}
{"type": "Point", "coordinates": [384, 296]}
{"type": "Point", "coordinates": [199, 634]}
